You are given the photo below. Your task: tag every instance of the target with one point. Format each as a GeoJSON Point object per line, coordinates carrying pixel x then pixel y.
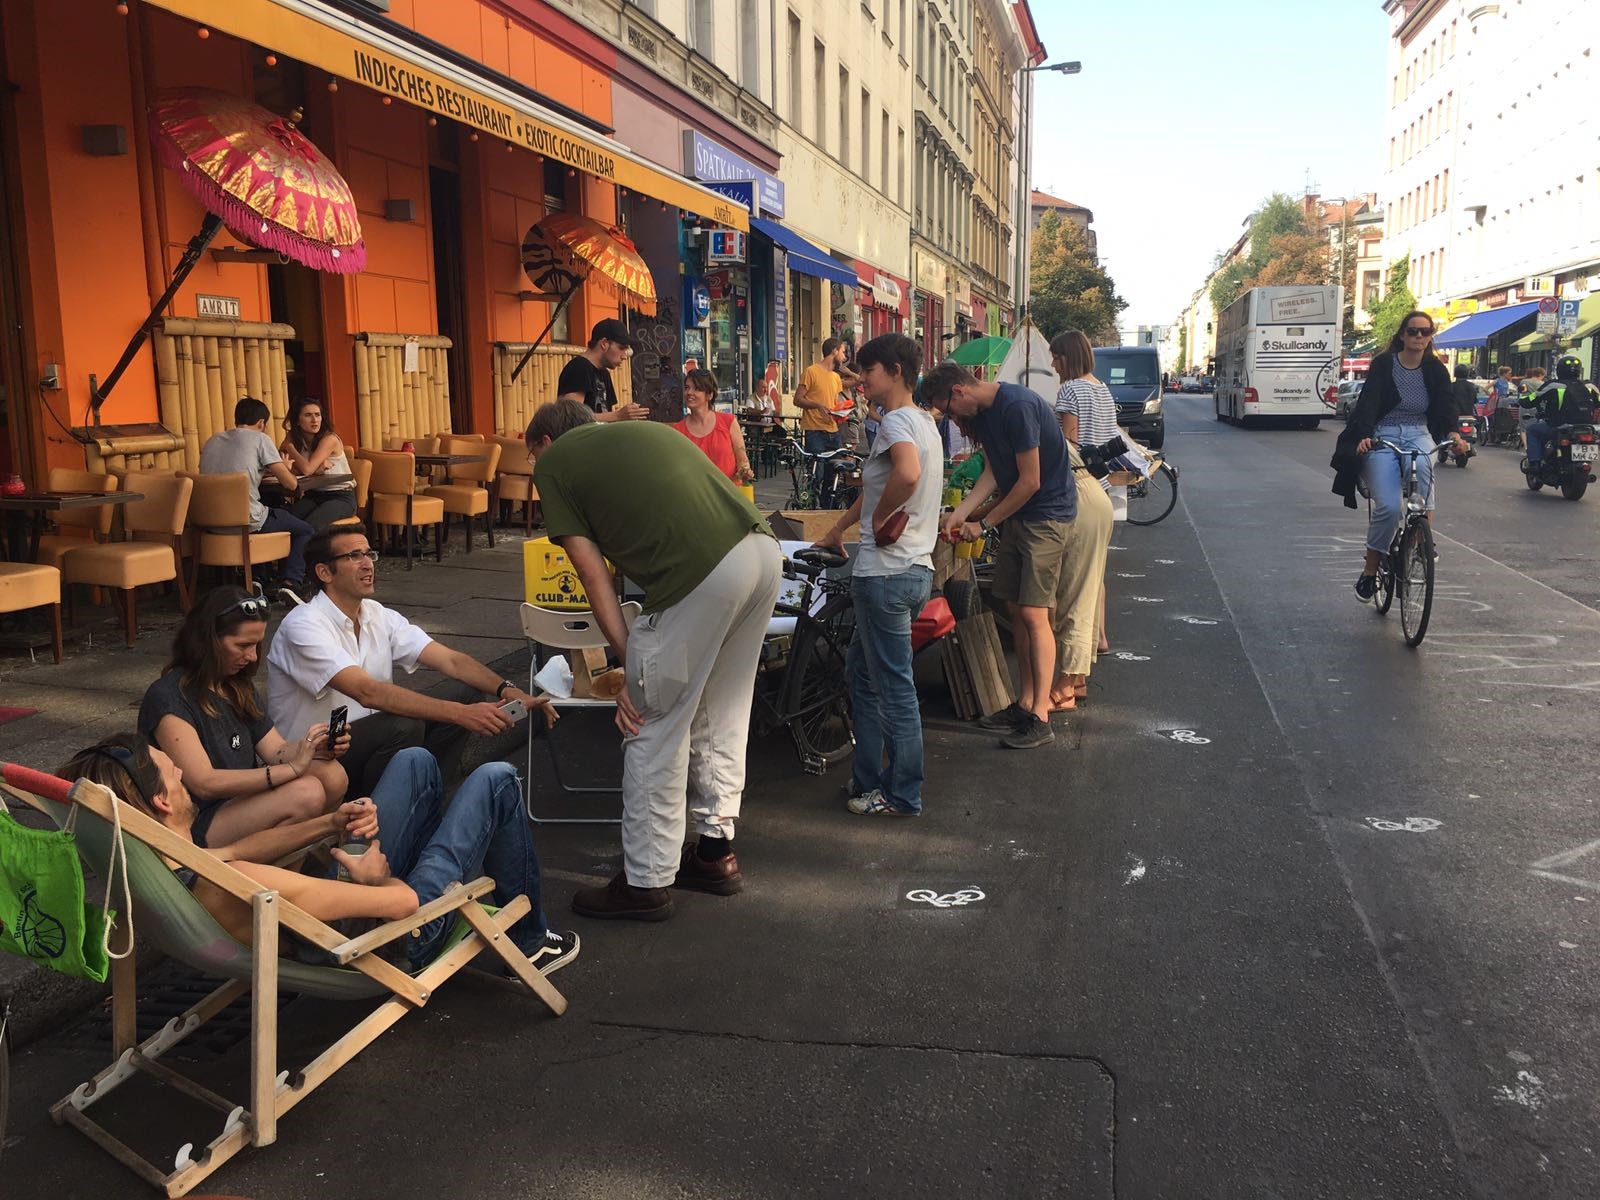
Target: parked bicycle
{"type": "Point", "coordinates": [801, 681]}
{"type": "Point", "coordinates": [830, 479]}
{"type": "Point", "coordinates": [1406, 570]}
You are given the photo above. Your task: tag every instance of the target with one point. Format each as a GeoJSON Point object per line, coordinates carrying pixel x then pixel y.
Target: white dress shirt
{"type": "Point", "coordinates": [315, 642]}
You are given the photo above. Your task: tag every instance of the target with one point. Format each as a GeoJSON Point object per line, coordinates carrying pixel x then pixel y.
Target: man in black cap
{"type": "Point", "coordinates": [587, 377]}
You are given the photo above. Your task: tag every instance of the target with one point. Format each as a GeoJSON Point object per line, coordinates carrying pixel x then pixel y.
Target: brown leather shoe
{"type": "Point", "coordinates": [720, 878]}
{"type": "Point", "coordinates": [621, 900]}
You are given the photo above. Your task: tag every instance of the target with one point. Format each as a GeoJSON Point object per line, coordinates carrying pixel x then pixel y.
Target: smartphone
{"type": "Point", "coordinates": [515, 709]}
{"type": "Point", "coordinates": [337, 722]}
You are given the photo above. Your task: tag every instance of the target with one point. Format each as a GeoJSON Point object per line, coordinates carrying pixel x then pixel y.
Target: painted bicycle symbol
{"type": "Point", "coordinates": [1188, 737]}
{"type": "Point", "coordinates": [1128, 575]}
{"type": "Point", "coordinates": [959, 899]}
{"type": "Point", "coordinates": [1147, 599]}
{"type": "Point", "coordinates": [1409, 825]}
{"type": "Point", "coordinates": [1126, 656]}
{"type": "Point", "coordinates": [1196, 621]}
{"type": "Point", "coordinates": [1166, 562]}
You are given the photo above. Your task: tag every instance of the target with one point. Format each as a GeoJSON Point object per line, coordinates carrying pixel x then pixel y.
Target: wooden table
{"type": "Point", "coordinates": [311, 483]}
{"type": "Point", "coordinates": [19, 528]}
{"type": "Point", "coordinates": [427, 462]}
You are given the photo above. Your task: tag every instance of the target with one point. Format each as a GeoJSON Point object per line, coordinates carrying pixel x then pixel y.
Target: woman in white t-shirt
{"type": "Point", "coordinates": [891, 580]}
{"type": "Point", "coordinates": [1088, 417]}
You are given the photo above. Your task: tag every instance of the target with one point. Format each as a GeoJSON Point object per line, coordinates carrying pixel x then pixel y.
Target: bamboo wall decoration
{"type": "Point", "coordinates": [516, 400]}
{"type": "Point", "coordinates": [392, 402]}
{"type": "Point", "coordinates": [203, 368]}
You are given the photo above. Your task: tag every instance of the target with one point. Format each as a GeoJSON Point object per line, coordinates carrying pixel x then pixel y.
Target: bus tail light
{"type": "Point", "coordinates": [1251, 396]}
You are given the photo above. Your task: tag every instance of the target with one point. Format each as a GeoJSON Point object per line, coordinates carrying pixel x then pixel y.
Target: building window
{"type": "Point", "coordinates": [844, 117]}
{"type": "Point", "coordinates": [866, 136]}
{"type": "Point", "coordinates": [750, 42]}
{"type": "Point", "coordinates": [900, 169]}
{"type": "Point", "coordinates": [921, 42]}
{"type": "Point", "coordinates": [794, 71]}
{"type": "Point", "coordinates": [883, 154]}
{"type": "Point", "coordinates": [700, 31]}
{"type": "Point", "coordinates": [819, 102]}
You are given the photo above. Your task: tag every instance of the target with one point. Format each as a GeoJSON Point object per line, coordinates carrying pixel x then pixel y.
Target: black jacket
{"type": "Point", "coordinates": [1378, 397]}
{"type": "Point", "coordinates": [1466, 397]}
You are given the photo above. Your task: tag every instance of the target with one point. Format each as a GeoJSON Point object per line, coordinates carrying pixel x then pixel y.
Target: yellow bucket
{"type": "Point", "coordinates": [748, 491]}
{"type": "Point", "coordinates": [969, 549]}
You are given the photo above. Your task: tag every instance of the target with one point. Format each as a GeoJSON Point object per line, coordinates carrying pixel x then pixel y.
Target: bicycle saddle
{"type": "Point", "coordinates": [818, 558]}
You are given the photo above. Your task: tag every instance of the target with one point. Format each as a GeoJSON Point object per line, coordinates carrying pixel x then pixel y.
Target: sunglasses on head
{"type": "Point", "coordinates": [255, 607]}
{"type": "Point", "coordinates": [1419, 330]}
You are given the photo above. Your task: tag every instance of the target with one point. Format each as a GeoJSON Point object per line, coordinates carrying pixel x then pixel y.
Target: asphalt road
{"type": "Point", "coordinates": [1268, 921]}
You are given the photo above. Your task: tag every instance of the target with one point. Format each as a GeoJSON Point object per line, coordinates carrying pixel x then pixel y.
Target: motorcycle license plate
{"type": "Point", "coordinates": [1585, 453]}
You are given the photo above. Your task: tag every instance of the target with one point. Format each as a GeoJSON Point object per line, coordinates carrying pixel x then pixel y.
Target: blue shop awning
{"type": "Point", "coordinates": [1480, 327]}
{"type": "Point", "coordinates": [803, 256]}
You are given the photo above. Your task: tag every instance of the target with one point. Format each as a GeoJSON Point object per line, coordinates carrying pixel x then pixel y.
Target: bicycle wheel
{"type": "Point", "coordinates": [1153, 497]}
{"type": "Point", "coordinates": [815, 696]}
{"type": "Point", "coordinates": [1415, 583]}
{"type": "Point", "coordinates": [1385, 596]}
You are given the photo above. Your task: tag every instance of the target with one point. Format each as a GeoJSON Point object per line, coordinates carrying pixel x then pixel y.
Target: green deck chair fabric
{"type": "Point", "coordinates": [43, 912]}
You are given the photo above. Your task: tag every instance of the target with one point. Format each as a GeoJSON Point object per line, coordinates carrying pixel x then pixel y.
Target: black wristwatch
{"type": "Point", "coordinates": [501, 690]}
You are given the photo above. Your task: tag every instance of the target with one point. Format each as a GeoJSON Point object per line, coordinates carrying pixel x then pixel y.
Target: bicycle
{"type": "Point", "coordinates": [801, 681]}
{"type": "Point", "coordinates": [1152, 495]}
{"type": "Point", "coordinates": [1407, 569]}
{"type": "Point", "coordinates": [839, 472]}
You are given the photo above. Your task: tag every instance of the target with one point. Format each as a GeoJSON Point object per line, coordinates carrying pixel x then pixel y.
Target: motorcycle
{"type": "Point", "coordinates": [1568, 462]}
{"type": "Point", "coordinates": [1470, 429]}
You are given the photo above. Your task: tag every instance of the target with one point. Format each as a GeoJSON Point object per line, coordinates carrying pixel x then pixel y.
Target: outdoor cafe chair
{"type": "Point", "coordinates": [357, 522]}
{"type": "Point", "coordinates": [513, 480]}
{"type": "Point", "coordinates": [76, 526]}
{"type": "Point", "coordinates": [467, 493]}
{"type": "Point", "coordinates": [153, 552]}
{"type": "Point", "coordinates": [114, 836]}
{"type": "Point", "coordinates": [566, 630]}
{"type": "Point", "coordinates": [219, 512]}
{"type": "Point", "coordinates": [394, 503]}
{"type": "Point", "coordinates": [33, 585]}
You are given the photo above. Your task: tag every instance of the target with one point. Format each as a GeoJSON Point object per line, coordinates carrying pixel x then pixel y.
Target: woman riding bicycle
{"type": "Point", "coordinates": [1406, 400]}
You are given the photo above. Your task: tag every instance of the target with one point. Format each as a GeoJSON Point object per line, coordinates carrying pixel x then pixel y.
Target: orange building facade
{"type": "Point", "coordinates": [457, 123]}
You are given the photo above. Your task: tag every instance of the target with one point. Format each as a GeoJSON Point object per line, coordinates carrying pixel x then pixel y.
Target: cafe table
{"type": "Point", "coordinates": [26, 515]}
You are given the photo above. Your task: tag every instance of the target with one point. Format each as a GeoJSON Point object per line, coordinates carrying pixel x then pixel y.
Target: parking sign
{"type": "Point", "coordinates": [1567, 322]}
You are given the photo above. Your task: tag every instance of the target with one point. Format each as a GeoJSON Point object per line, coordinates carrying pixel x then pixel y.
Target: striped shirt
{"type": "Point", "coordinates": [1413, 389]}
{"type": "Point", "coordinates": [1090, 401]}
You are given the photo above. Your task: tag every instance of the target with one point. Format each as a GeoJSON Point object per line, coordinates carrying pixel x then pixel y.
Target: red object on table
{"type": "Point", "coordinates": [408, 447]}
{"type": "Point", "coordinates": [13, 486]}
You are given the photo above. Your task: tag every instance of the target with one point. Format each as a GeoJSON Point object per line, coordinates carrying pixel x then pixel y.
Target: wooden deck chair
{"type": "Point", "coordinates": [575, 630]}
{"type": "Point", "coordinates": [168, 916]}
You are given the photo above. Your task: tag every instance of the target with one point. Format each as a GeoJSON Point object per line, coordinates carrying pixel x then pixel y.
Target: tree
{"type": "Point", "coordinates": [1068, 288]}
{"type": "Point", "coordinates": [1285, 249]}
{"type": "Point", "coordinates": [1397, 301]}
{"type": "Point", "coordinates": [1183, 348]}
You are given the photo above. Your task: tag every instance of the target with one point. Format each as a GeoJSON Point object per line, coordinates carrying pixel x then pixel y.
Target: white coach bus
{"type": "Point", "coordinates": [1278, 355]}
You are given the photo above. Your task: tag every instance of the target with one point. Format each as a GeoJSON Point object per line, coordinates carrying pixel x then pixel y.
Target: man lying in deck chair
{"type": "Point", "coordinates": [483, 832]}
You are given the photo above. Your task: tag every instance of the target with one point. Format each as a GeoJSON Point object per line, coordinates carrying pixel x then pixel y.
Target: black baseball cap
{"type": "Point", "coordinates": [611, 330]}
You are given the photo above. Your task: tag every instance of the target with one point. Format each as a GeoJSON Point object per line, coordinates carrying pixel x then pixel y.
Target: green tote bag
{"type": "Point", "coordinates": [43, 913]}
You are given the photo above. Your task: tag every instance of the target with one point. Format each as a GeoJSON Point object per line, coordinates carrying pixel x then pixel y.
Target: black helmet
{"type": "Point", "coordinates": [1569, 367]}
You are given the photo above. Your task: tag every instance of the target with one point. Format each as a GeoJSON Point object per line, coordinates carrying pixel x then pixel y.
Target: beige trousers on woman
{"type": "Point", "coordinates": [1076, 614]}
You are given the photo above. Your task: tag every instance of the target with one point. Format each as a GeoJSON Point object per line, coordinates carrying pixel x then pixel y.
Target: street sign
{"type": "Point", "coordinates": [1549, 305]}
{"type": "Point", "coordinates": [1545, 325]}
{"type": "Point", "coordinates": [1567, 320]}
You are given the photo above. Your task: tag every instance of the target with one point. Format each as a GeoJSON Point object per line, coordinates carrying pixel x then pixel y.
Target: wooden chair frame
{"type": "Point", "coordinates": [272, 1092]}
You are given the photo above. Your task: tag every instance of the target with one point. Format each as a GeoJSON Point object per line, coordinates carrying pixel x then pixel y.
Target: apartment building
{"type": "Point", "coordinates": [999, 52]}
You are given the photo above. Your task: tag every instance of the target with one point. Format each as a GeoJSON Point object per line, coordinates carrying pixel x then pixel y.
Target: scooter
{"type": "Point", "coordinates": [1568, 462]}
{"type": "Point", "coordinates": [1470, 430]}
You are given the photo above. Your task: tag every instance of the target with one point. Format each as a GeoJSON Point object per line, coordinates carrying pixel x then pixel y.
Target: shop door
{"type": "Point", "coordinates": [295, 298]}
{"type": "Point", "coordinates": [444, 216]}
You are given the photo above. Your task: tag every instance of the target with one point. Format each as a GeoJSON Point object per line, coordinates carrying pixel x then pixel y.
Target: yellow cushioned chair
{"type": "Point", "coordinates": [394, 503]}
{"type": "Point", "coordinates": [154, 527]}
{"type": "Point", "coordinates": [76, 526]}
{"type": "Point", "coordinates": [29, 585]}
{"type": "Point", "coordinates": [361, 468]}
{"type": "Point", "coordinates": [467, 493]}
{"type": "Point", "coordinates": [513, 479]}
{"type": "Point", "coordinates": [219, 514]}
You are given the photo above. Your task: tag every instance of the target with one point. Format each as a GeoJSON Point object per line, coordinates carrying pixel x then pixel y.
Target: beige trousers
{"type": "Point", "coordinates": [1076, 614]}
{"type": "Point", "coordinates": [691, 674]}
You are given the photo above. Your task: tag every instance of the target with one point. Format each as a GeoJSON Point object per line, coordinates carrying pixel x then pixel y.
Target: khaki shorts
{"type": "Point", "coordinates": [1029, 563]}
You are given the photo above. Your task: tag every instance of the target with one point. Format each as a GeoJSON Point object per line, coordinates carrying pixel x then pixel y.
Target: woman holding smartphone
{"type": "Point", "coordinates": [205, 714]}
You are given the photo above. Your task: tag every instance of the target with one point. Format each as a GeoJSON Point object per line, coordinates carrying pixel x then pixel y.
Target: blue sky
{"type": "Point", "coordinates": [1188, 114]}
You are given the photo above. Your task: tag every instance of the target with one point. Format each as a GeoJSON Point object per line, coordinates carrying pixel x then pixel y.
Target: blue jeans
{"type": "Point", "coordinates": [483, 832]}
{"type": "Point", "coordinates": [1539, 433]}
{"type": "Point", "coordinates": [818, 441]}
{"type": "Point", "coordinates": [883, 696]}
{"type": "Point", "coordinates": [1384, 475]}
{"type": "Point", "coordinates": [281, 520]}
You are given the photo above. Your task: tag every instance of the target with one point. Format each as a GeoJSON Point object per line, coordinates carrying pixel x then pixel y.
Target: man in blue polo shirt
{"type": "Point", "coordinates": [1027, 465]}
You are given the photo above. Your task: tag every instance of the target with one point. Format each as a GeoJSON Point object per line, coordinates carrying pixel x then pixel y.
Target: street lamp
{"type": "Point", "coordinates": [1066, 68]}
{"type": "Point", "coordinates": [1024, 183]}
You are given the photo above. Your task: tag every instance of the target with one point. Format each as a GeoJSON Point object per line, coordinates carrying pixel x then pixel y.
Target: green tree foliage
{"type": "Point", "coordinates": [1183, 348]}
{"type": "Point", "coordinates": [1285, 249]}
{"type": "Point", "coordinates": [1067, 287]}
{"type": "Point", "coordinates": [1397, 301]}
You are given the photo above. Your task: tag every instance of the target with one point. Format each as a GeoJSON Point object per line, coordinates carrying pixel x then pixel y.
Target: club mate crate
{"type": "Point", "coordinates": [549, 579]}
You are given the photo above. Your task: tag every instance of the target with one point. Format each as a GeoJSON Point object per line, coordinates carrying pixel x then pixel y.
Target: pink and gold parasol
{"type": "Point", "coordinates": [582, 249]}
{"type": "Point", "coordinates": [270, 185]}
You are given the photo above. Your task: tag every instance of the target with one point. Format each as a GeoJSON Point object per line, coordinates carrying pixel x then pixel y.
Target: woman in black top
{"type": "Point", "coordinates": [205, 714]}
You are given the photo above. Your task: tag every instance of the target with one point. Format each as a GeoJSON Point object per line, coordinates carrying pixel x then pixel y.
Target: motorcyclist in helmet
{"type": "Point", "coordinates": [1565, 400]}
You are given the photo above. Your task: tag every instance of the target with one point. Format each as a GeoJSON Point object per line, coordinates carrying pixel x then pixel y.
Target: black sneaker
{"type": "Point", "coordinates": [1366, 588]}
{"type": "Point", "coordinates": [559, 950]}
{"type": "Point", "coordinates": [1034, 734]}
{"type": "Point", "coordinates": [1008, 719]}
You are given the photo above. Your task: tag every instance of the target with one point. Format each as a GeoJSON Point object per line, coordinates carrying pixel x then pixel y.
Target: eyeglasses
{"type": "Point", "coordinates": [356, 556]}
{"type": "Point", "coordinates": [255, 607]}
{"type": "Point", "coordinates": [1419, 331]}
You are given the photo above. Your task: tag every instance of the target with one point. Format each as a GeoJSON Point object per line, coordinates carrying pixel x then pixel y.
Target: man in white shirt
{"type": "Point", "coordinates": [247, 449]}
{"type": "Point", "coordinates": [343, 647]}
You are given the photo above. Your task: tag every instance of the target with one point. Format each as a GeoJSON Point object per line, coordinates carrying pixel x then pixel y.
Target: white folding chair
{"type": "Point", "coordinates": [566, 630]}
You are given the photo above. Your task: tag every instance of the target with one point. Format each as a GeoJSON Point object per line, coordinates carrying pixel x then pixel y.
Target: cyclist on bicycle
{"type": "Point", "coordinates": [1406, 400]}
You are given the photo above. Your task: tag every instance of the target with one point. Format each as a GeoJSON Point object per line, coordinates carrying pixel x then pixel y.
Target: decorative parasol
{"type": "Point", "coordinates": [982, 352]}
{"type": "Point", "coordinates": [256, 174]}
{"type": "Point", "coordinates": [565, 250]}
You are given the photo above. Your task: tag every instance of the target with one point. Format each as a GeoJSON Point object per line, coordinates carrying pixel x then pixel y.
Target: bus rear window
{"type": "Point", "coordinates": [1126, 370]}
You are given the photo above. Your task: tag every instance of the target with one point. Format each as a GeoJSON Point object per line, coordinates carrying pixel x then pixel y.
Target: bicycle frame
{"type": "Point", "coordinates": [830, 466]}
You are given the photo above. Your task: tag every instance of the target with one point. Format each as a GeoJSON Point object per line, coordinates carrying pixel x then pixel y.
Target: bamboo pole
{"type": "Point", "coordinates": [364, 436]}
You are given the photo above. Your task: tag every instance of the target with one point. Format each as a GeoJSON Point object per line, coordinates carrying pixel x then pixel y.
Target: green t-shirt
{"type": "Point", "coordinates": [650, 499]}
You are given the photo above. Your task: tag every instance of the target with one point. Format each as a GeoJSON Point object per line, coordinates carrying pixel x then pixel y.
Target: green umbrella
{"type": "Point", "coordinates": [983, 352]}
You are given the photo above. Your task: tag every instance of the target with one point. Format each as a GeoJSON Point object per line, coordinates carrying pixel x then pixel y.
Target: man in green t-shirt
{"type": "Point", "coordinates": [647, 498]}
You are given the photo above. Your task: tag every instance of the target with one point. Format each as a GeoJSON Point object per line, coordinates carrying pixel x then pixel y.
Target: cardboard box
{"type": "Point", "coordinates": [807, 525]}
